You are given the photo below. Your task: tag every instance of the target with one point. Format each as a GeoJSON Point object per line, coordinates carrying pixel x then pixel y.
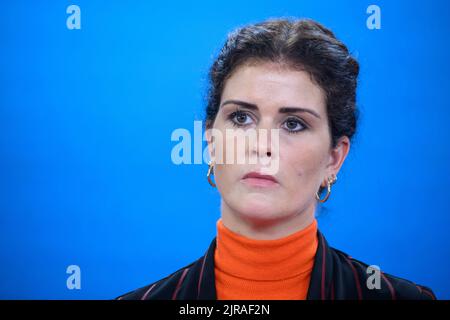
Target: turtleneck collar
{"type": "Point", "coordinates": [279, 259]}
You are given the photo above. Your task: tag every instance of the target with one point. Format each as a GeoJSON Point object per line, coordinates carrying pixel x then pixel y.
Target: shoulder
{"type": "Point", "coordinates": [374, 283]}
{"type": "Point", "coordinates": [163, 289]}
{"type": "Point", "coordinates": [191, 282]}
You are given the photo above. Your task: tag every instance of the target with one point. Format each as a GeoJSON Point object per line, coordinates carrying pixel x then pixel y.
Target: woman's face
{"type": "Point", "coordinates": [266, 96]}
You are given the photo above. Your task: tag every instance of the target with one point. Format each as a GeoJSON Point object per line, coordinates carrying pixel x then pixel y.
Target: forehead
{"type": "Point", "coordinates": [269, 85]}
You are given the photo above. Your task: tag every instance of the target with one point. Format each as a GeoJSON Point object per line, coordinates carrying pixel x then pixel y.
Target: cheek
{"type": "Point", "coordinates": [302, 163]}
{"type": "Point", "coordinates": [232, 146]}
{"type": "Point", "coordinates": [224, 175]}
{"type": "Point", "coordinates": [226, 142]}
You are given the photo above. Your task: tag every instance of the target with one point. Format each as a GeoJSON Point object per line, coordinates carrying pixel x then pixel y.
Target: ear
{"type": "Point", "coordinates": [337, 156]}
{"type": "Point", "coordinates": [209, 141]}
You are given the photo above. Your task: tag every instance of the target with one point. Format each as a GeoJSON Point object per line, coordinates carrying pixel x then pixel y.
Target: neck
{"type": "Point", "coordinates": [268, 229]}
{"type": "Point", "coordinates": [266, 260]}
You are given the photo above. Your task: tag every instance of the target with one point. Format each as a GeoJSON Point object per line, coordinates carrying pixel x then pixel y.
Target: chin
{"type": "Point", "coordinates": [259, 209]}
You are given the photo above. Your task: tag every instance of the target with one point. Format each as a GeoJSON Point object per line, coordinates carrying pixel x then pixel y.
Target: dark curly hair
{"type": "Point", "coordinates": [301, 44]}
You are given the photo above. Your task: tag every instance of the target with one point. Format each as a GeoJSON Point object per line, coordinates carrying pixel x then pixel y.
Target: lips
{"type": "Point", "coordinates": [256, 179]}
{"type": "Point", "coordinates": [256, 175]}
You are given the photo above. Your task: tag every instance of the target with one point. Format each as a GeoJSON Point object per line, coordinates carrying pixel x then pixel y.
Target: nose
{"type": "Point", "coordinates": [262, 147]}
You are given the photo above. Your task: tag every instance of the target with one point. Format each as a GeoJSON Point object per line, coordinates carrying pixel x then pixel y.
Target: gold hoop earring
{"type": "Point", "coordinates": [210, 172]}
{"type": "Point", "coordinates": [330, 182]}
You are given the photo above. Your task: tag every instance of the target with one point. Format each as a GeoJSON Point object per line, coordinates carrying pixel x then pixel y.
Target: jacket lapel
{"type": "Point", "coordinates": [321, 283]}
{"type": "Point", "coordinates": [206, 283]}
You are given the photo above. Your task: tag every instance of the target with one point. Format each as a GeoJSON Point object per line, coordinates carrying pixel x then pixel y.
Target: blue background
{"type": "Point", "coordinates": [86, 117]}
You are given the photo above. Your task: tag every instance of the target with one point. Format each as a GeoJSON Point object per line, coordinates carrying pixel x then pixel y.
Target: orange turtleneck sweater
{"type": "Point", "coordinates": [253, 269]}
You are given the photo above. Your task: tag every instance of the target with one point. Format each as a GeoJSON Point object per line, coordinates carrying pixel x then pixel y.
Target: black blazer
{"type": "Point", "coordinates": [335, 275]}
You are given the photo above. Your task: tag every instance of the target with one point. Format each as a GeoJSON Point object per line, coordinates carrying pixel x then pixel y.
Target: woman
{"type": "Point", "coordinates": [295, 79]}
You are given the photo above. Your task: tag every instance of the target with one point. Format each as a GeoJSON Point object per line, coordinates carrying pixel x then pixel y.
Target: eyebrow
{"type": "Point", "coordinates": [252, 106]}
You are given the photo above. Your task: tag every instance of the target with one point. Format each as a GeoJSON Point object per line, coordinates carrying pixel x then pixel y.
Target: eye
{"type": "Point", "coordinates": [240, 118]}
{"type": "Point", "coordinates": [294, 125]}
